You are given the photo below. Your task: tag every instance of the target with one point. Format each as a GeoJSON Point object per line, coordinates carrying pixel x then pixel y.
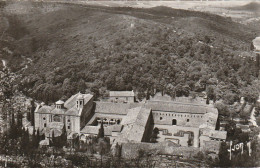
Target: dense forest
{"type": "Point", "coordinates": [95, 49]}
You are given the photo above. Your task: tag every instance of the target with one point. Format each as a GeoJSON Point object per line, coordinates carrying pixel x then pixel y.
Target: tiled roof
{"type": "Point", "coordinates": [131, 116]}
{"type": "Point", "coordinates": [58, 111]}
{"type": "Point", "coordinates": [45, 109]}
{"type": "Point", "coordinates": [121, 94]}
{"type": "Point", "coordinates": [72, 111]}
{"type": "Point", "coordinates": [117, 128]}
{"type": "Point", "coordinates": [171, 106]}
{"type": "Point", "coordinates": [89, 129]}
{"type": "Point", "coordinates": [71, 102]}
{"type": "Point", "coordinates": [114, 108]}
{"type": "Point", "coordinates": [134, 132]}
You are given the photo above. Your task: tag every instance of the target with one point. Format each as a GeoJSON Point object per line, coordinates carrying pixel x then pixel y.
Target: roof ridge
{"type": "Point", "coordinates": [179, 103]}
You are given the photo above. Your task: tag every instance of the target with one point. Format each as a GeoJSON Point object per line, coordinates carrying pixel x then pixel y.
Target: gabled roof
{"type": "Point", "coordinates": [58, 111]}
{"type": "Point", "coordinates": [89, 129]}
{"type": "Point", "coordinates": [72, 111]}
{"type": "Point", "coordinates": [45, 109]}
{"type": "Point", "coordinates": [134, 131]}
{"type": "Point", "coordinates": [170, 106]}
{"type": "Point", "coordinates": [114, 108]}
{"type": "Point", "coordinates": [121, 93]}
{"type": "Point", "coordinates": [131, 116]}
{"type": "Point", "coordinates": [71, 102]}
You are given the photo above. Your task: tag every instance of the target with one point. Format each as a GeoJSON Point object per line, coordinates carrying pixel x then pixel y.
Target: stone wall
{"type": "Point", "coordinates": [182, 119]}
{"type": "Point", "coordinates": [122, 99]}
{"type": "Point", "coordinates": [39, 120]}
{"type": "Point", "coordinates": [131, 150]}
{"type": "Point", "coordinates": [211, 146]}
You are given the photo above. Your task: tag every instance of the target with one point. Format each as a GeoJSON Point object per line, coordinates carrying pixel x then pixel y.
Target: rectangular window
{"type": "Point", "coordinates": [44, 124]}
{"type": "Point", "coordinates": [68, 127]}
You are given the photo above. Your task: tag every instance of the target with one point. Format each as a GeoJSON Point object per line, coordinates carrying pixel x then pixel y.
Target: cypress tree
{"type": "Point", "coordinates": [38, 138]}
{"type": "Point", "coordinates": [34, 140]}
{"type": "Point", "coordinates": [26, 142]}
{"type": "Point", "coordinates": [53, 139]}
{"type": "Point", "coordinates": [28, 116]}
{"type": "Point", "coordinates": [32, 112]}
{"type": "Point", "coordinates": [64, 136]}
{"type": "Point", "coordinates": [42, 136]}
{"type": "Point", "coordinates": [101, 131]}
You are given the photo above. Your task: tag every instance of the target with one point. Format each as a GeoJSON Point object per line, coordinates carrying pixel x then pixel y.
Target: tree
{"type": "Point", "coordinates": [34, 140]}
{"type": "Point", "coordinates": [154, 135]}
{"type": "Point", "coordinates": [210, 93]}
{"type": "Point", "coordinates": [101, 131]}
{"type": "Point", "coordinates": [32, 112]}
{"type": "Point", "coordinates": [224, 156]}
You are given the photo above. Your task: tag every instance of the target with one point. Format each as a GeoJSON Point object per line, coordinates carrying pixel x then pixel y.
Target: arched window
{"type": "Point", "coordinates": [160, 118]}
{"type": "Point", "coordinates": [188, 120]}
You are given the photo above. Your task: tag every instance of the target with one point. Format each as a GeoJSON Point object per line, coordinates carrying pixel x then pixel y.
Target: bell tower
{"type": "Point", "coordinates": [80, 101]}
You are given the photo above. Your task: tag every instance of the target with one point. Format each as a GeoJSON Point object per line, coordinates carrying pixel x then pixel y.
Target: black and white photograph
{"type": "Point", "coordinates": [129, 84]}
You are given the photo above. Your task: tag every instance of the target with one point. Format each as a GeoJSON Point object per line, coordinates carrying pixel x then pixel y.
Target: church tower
{"type": "Point", "coordinates": [80, 101]}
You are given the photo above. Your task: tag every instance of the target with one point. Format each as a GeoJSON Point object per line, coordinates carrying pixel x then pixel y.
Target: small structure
{"type": "Point", "coordinates": [122, 96]}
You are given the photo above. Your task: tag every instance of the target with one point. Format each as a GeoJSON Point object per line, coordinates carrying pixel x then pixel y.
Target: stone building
{"type": "Point", "coordinates": [186, 122]}
{"type": "Point", "coordinates": [122, 96]}
{"type": "Point", "coordinates": [74, 113]}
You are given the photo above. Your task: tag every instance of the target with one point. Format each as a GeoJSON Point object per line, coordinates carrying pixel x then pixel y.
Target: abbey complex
{"type": "Point", "coordinates": [187, 122]}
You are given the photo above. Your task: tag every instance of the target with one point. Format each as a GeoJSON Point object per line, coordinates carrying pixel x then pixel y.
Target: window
{"type": "Point", "coordinates": [44, 118]}
{"type": "Point", "coordinates": [188, 120]}
{"type": "Point", "coordinates": [57, 118]}
{"type": "Point", "coordinates": [68, 120]}
{"type": "Point", "coordinates": [44, 125]}
{"type": "Point", "coordinates": [160, 118]}
{"type": "Point", "coordinates": [68, 127]}
{"type": "Point", "coordinates": [174, 122]}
